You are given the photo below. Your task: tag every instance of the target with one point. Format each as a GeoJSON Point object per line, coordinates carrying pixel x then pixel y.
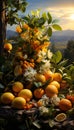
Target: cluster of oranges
{"type": "Point", "coordinates": [20, 97]}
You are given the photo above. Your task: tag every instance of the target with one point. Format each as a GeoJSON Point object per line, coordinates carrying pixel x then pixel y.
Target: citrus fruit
{"type": "Point", "coordinates": [61, 117]}
{"type": "Point", "coordinates": [17, 86]}
{"type": "Point", "coordinates": [25, 93]}
{"type": "Point", "coordinates": [26, 26]}
{"type": "Point", "coordinates": [40, 78]}
{"type": "Point", "coordinates": [65, 104]}
{"type": "Point", "coordinates": [48, 75]}
{"type": "Point", "coordinates": [55, 83]}
{"type": "Point", "coordinates": [38, 93]}
{"type": "Point", "coordinates": [7, 97]}
{"type": "Point", "coordinates": [70, 97]}
{"type": "Point", "coordinates": [51, 90]}
{"type": "Point", "coordinates": [57, 77]}
{"type": "Point", "coordinates": [39, 103]}
{"type": "Point", "coordinates": [28, 106]}
{"type": "Point", "coordinates": [8, 46]}
{"type": "Point", "coordinates": [18, 29]}
{"type": "Point", "coordinates": [63, 84]}
{"type": "Point", "coordinates": [19, 103]}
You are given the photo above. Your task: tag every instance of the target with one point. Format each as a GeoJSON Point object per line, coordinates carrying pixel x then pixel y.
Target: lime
{"type": "Point", "coordinates": [61, 117]}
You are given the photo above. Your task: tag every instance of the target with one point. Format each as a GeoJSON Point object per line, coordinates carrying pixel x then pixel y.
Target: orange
{"type": "Point", "coordinates": [25, 93]}
{"type": "Point", "coordinates": [40, 78]}
{"type": "Point", "coordinates": [65, 104]}
{"type": "Point", "coordinates": [8, 46]}
{"type": "Point", "coordinates": [55, 83]}
{"type": "Point", "coordinates": [57, 77]}
{"type": "Point", "coordinates": [48, 75]}
{"type": "Point", "coordinates": [71, 98]}
{"type": "Point", "coordinates": [18, 29]}
{"type": "Point", "coordinates": [39, 103]}
{"type": "Point", "coordinates": [38, 93]}
{"type": "Point", "coordinates": [7, 97]}
{"type": "Point", "coordinates": [26, 26]}
{"type": "Point", "coordinates": [51, 90]}
{"type": "Point", "coordinates": [63, 84]}
{"type": "Point", "coordinates": [19, 103]}
{"type": "Point", "coordinates": [17, 86]}
{"type": "Point", "coordinates": [28, 106]}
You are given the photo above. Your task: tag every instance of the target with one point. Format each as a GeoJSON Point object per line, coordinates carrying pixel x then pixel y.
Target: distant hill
{"type": "Point", "coordinates": [57, 36]}
{"type": "Point", "coordinates": [10, 33]}
{"type": "Point", "coordinates": [62, 36]}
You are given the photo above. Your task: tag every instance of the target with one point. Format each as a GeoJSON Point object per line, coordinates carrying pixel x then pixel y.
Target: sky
{"type": "Point", "coordinates": [63, 10]}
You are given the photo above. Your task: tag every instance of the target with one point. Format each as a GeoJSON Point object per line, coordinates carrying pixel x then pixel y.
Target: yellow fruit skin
{"type": "Point", "coordinates": [40, 78]}
{"type": "Point", "coordinates": [7, 97]}
{"type": "Point", "coordinates": [8, 46]}
{"type": "Point", "coordinates": [25, 93]}
{"type": "Point", "coordinates": [57, 77]}
{"type": "Point", "coordinates": [51, 90]}
{"type": "Point", "coordinates": [55, 83]}
{"type": "Point", "coordinates": [17, 86]}
{"type": "Point", "coordinates": [19, 103]}
{"type": "Point", "coordinates": [48, 75]}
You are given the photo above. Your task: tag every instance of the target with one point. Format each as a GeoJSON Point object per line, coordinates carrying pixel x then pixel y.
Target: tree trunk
{"type": "Point", "coordinates": [2, 25]}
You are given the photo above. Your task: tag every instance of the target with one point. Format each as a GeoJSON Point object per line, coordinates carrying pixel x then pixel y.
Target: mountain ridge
{"type": "Point", "coordinates": [57, 36]}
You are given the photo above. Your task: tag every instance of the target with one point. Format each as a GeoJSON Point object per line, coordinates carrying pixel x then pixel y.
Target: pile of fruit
{"type": "Point", "coordinates": [32, 75]}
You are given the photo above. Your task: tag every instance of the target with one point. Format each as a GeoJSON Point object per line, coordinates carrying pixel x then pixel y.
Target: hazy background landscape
{"type": "Point", "coordinates": [60, 10]}
{"type": "Point", "coordinates": [59, 38]}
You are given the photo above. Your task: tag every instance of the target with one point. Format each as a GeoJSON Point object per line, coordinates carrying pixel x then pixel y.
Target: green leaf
{"type": "Point", "coordinates": [49, 18]}
{"type": "Point", "coordinates": [35, 13]}
{"type": "Point", "coordinates": [41, 21]}
{"type": "Point", "coordinates": [63, 63]}
{"type": "Point", "coordinates": [57, 27]}
{"type": "Point", "coordinates": [44, 15]}
{"type": "Point", "coordinates": [55, 21]}
{"type": "Point", "coordinates": [56, 58]}
{"type": "Point", "coordinates": [49, 31]}
{"type": "Point", "coordinates": [37, 84]}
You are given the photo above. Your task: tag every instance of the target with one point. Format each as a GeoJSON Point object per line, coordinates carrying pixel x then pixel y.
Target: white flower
{"type": "Point", "coordinates": [45, 66]}
{"type": "Point", "coordinates": [25, 56]}
{"type": "Point", "coordinates": [55, 100]}
{"type": "Point", "coordinates": [43, 110]}
{"type": "Point", "coordinates": [30, 74]}
{"type": "Point", "coordinates": [49, 54]}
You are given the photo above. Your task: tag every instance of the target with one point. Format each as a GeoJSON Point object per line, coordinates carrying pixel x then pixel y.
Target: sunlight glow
{"type": "Point", "coordinates": [72, 17]}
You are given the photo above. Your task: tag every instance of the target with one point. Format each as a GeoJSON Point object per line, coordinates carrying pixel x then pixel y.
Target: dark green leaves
{"type": "Point", "coordinates": [49, 31]}
{"type": "Point", "coordinates": [49, 18]}
{"type": "Point", "coordinates": [12, 10]}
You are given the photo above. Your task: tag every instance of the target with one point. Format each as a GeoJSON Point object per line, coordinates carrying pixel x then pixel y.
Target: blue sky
{"type": "Point", "coordinates": [63, 10]}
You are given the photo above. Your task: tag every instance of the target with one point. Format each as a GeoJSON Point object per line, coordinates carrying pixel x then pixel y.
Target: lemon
{"type": "Point", "coordinates": [26, 94]}
{"type": "Point", "coordinates": [17, 86]}
{"type": "Point", "coordinates": [19, 103]}
{"type": "Point", "coordinates": [7, 97]}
